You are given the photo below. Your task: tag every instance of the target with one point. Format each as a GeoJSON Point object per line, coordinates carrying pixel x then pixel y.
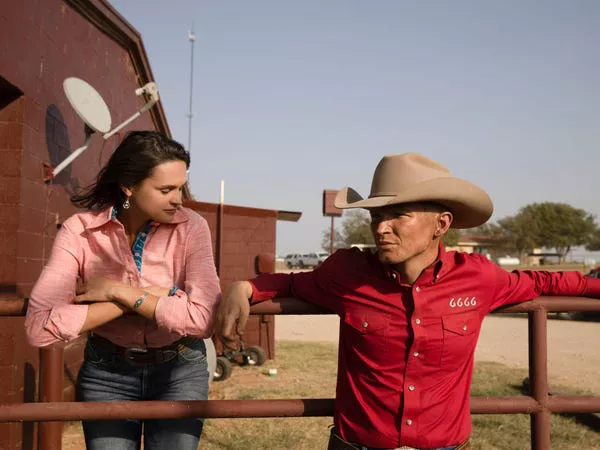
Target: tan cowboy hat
{"type": "Point", "coordinates": [411, 177]}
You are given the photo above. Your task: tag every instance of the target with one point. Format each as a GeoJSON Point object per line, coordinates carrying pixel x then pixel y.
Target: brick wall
{"type": "Point", "coordinates": [11, 144]}
{"type": "Point", "coordinates": [41, 44]}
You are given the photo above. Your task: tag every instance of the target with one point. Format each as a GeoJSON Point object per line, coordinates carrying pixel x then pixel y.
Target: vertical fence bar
{"type": "Point", "coordinates": [51, 389]}
{"type": "Point", "coordinates": [538, 378]}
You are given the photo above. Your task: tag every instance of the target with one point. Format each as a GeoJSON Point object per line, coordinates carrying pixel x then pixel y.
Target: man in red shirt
{"type": "Point", "coordinates": [411, 313]}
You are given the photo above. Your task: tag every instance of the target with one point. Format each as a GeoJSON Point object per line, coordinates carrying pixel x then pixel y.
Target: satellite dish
{"type": "Point", "coordinates": [88, 104]}
{"type": "Point", "coordinates": [91, 108]}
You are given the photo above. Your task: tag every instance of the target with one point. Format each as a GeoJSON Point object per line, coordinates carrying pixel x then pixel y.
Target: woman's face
{"type": "Point", "coordinates": [158, 196]}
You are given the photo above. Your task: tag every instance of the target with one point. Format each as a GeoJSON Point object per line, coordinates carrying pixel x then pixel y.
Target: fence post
{"type": "Point", "coordinates": [51, 390]}
{"type": "Point", "coordinates": [538, 377]}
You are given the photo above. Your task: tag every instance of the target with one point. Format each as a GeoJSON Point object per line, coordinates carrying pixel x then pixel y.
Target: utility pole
{"type": "Point", "coordinates": [192, 39]}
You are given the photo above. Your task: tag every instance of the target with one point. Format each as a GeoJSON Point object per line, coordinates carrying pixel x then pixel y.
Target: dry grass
{"type": "Point", "coordinates": [503, 431]}
{"type": "Point", "coordinates": [308, 370]}
{"type": "Point", "coordinates": [303, 371]}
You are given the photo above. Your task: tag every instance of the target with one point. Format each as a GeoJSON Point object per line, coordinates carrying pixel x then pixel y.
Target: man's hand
{"type": "Point", "coordinates": [233, 313]}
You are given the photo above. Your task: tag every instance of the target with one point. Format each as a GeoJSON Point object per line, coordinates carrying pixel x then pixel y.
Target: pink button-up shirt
{"type": "Point", "coordinates": [93, 243]}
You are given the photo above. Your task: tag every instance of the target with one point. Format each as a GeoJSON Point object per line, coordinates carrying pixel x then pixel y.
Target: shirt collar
{"type": "Point", "coordinates": [441, 263]}
{"type": "Point", "coordinates": [432, 273]}
{"type": "Point", "coordinates": [110, 213]}
{"type": "Point", "coordinates": [101, 217]}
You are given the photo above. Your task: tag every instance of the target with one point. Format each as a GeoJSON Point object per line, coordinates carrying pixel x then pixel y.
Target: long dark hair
{"type": "Point", "coordinates": [132, 162]}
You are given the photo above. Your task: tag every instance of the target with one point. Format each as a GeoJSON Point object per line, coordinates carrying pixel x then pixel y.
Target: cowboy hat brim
{"type": "Point", "coordinates": [470, 205]}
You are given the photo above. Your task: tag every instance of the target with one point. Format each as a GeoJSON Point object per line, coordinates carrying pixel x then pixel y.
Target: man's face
{"type": "Point", "coordinates": [404, 231]}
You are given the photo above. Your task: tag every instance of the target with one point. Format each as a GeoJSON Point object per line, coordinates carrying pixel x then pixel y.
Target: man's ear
{"type": "Point", "coordinates": [443, 222]}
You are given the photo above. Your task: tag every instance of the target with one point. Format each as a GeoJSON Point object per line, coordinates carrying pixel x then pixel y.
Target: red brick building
{"type": "Point", "coordinates": [41, 44]}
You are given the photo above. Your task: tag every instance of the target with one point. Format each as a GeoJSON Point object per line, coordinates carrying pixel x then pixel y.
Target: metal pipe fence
{"type": "Point", "coordinates": [539, 405]}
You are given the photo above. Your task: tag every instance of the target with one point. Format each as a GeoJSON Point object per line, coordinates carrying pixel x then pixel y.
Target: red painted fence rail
{"type": "Point", "coordinates": [51, 410]}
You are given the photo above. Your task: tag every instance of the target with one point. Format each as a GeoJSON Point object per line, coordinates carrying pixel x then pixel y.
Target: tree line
{"type": "Point", "coordinates": [557, 226]}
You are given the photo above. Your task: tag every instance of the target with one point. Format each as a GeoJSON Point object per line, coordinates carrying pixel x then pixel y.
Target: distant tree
{"type": "Point", "coordinates": [553, 225]}
{"type": "Point", "coordinates": [517, 234]}
{"type": "Point", "coordinates": [451, 237]}
{"type": "Point", "coordinates": [593, 244]}
{"type": "Point", "coordinates": [495, 238]}
{"type": "Point", "coordinates": [487, 229]}
{"type": "Point", "coordinates": [326, 240]}
{"type": "Point", "coordinates": [355, 229]}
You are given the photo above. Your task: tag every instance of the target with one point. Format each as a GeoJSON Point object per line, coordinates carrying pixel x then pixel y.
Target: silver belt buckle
{"type": "Point", "coordinates": [131, 352]}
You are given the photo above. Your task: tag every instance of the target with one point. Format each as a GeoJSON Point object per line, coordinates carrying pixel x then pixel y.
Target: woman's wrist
{"type": "Point", "coordinates": [115, 292]}
{"type": "Point", "coordinates": [123, 294]}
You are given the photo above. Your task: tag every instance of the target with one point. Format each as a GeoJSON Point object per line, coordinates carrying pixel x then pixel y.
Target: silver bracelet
{"type": "Point", "coordinates": [140, 300]}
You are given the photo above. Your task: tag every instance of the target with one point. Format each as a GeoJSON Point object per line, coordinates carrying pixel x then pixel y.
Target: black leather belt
{"type": "Point", "coordinates": [137, 355]}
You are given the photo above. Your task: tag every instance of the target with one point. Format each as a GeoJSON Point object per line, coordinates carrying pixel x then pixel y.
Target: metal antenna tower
{"type": "Point", "coordinates": [192, 39]}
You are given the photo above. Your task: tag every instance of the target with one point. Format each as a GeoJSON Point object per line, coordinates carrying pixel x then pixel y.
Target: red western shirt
{"type": "Point", "coordinates": [406, 351]}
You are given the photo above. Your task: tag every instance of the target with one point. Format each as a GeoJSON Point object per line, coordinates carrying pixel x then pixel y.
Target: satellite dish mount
{"type": "Point", "coordinates": [91, 108]}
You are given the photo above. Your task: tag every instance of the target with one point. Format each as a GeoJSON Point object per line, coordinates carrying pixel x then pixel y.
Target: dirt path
{"type": "Point", "coordinates": [573, 347]}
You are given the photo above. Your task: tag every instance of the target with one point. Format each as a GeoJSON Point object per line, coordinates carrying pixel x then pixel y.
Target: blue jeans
{"type": "Point", "coordinates": [105, 376]}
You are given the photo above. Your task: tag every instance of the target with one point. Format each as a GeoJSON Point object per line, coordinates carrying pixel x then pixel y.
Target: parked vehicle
{"type": "Point", "coordinates": [292, 260]}
{"type": "Point", "coordinates": [508, 261]}
{"type": "Point", "coordinates": [322, 256]}
{"type": "Point", "coordinates": [305, 260]}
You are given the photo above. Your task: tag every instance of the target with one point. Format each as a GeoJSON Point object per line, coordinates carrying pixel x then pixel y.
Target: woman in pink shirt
{"type": "Point", "coordinates": [135, 271]}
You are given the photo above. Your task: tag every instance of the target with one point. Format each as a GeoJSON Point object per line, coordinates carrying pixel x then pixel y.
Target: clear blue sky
{"type": "Point", "coordinates": [293, 97]}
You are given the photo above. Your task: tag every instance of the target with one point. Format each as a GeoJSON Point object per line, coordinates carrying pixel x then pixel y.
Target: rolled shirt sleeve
{"type": "Point", "coordinates": [317, 286]}
{"type": "Point", "coordinates": [51, 314]}
{"type": "Point", "coordinates": [192, 310]}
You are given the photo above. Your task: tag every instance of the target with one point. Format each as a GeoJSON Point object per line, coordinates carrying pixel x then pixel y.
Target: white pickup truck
{"type": "Point", "coordinates": [305, 260]}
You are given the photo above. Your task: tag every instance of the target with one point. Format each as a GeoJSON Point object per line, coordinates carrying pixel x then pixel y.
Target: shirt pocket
{"type": "Point", "coordinates": [367, 332]}
{"type": "Point", "coordinates": [460, 333]}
